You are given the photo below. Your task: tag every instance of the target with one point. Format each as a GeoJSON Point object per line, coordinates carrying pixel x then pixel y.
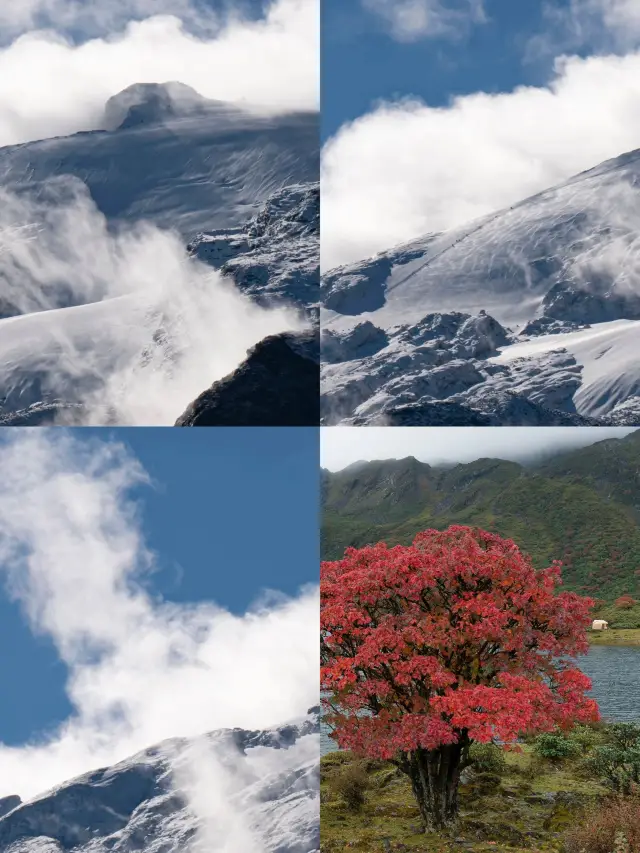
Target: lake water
{"type": "Point", "coordinates": [615, 673]}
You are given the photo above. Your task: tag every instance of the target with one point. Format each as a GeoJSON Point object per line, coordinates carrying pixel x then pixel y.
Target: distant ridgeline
{"type": "Point", "coordinates": [581, 507]}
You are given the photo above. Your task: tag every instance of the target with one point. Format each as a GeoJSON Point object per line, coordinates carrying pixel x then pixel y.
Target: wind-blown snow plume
{"type": "Point", "coordinates": [211, 789]}
{"type": "Point", "coordinates": [140, 670]}
{"type": "Point", "coordinates": [51, 85]}
{"type": "Point", "coordinates": [140, 328]}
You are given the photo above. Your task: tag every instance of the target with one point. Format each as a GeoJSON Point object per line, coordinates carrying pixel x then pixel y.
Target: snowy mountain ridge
{"type": "Point", "coordinates": [275, 256]}
{"type": "Point", "coordinates": [536, 308]}
{"type": "Point", "coordinates": [84, 334]}
{"type": "Point", "coordinates": [265, 784]}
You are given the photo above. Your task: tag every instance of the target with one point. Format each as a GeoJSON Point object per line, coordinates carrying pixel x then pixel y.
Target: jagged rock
{"type": "Point", "coordinates": [361, 341]}
{"type": "Point", "coordinates": [293, 211]}
{"type": "Point", "coordinates": [625, 414]}
{"type": "Point", "coordinates": [277, 385]}
{"type": "Point", "coordinates": [479, 337]}
{"type": "Point", "coordinates": [504, 408]}
{"type": "Point", "coordinates": [507, 408]}
{"type": "Point", "coordinates": [424, 413]}
{"type": "Point", "coordinates": [549, 380]}
{"type": "Point", "coordinates": [559, 265]}
{"type": "Point", "coordinates": [274, 257]}
{"type": "Point", "coordinates": [355, 293]}
{"type": "Point", "coordinates": [565, 301]}
{"type": "Point", "coordinates": [45, 414]}
{"type": "Point", "coordinates": [549, 326]}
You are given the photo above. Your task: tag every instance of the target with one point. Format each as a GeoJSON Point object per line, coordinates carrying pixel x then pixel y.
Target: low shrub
{"type": "Point", "coordinates": [624, 735]}
{"type": "Point", "coordinates": [487, 758]}
{"type": "Point", "coordinates": [555, 747]}
{"type": "Point", "coordinates": [585, 737]}
{"type": "Point", "coordinates": [350, 784]}
{"type": "Point", "coordinates": [614, 822]}
{"type": "Point", "coordinates": [619, 768]}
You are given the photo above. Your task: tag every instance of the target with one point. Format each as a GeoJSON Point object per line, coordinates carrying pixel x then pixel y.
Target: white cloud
{"type": "Point", "coordinates": [151, 329]}
{"type": "Point", "coordinates": [140, 670]}
{"type": "Point", "coordinates": [407, 169]}
{"type": "Point", "coordinates": [340, 446]}
{"type": "Point", "coordinates": [599, 25]}
{"type": "Point", "coordinates": [51, 86]}
{"type": "Point", "coordinates": [411, 20]}
{"type": "Point", "coordinates": [92, 17]}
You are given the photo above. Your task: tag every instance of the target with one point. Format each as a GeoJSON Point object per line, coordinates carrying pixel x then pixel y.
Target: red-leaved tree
{"type": "Point", "coordinates": [428, 647]}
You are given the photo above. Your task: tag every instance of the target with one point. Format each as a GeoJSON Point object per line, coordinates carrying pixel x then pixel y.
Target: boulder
{"type": "Point", "coordinates": [277, 385]}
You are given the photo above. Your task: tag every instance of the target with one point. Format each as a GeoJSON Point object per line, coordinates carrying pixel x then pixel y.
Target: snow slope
{"type": "Point", "coordinates": [107, 317]}
{"type": "Point", "coordinates": [229, 791]}
{"type": "Point", "coordinates": [190, 167]}
{"type": "Point", "coordinates": [565, 260]}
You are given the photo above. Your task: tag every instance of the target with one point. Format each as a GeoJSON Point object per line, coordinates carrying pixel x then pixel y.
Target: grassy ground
{"type": "Point", "coordinates": [615, 637]}
{"type": "Point", "coordinates": [526, 808]}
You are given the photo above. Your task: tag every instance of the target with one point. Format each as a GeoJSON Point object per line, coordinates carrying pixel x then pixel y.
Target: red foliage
{"type": "Point", "coordinates": [453, 637]}
{"type": "Point", "coordinates": [625, 602]}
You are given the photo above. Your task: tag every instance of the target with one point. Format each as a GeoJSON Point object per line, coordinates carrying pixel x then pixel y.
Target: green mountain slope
{"type": "Point", "coordinates": [581, 507]}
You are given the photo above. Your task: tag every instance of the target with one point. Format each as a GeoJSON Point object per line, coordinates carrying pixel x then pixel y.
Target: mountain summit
{"type": "Point", "coordinates": [267, 782]}
{"type": "Point", "coordinates": [153, 103]}
{"type": "Point", "coordinates": [529, 316]}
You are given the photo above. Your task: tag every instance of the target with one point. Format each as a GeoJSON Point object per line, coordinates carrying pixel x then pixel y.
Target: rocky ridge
{"type": "Point", "coordinates": [535, 308]}
{"type": "Point", "coordinates": [139, 804]}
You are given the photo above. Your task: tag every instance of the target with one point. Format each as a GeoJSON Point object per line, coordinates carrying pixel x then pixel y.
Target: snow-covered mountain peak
{"type": "Point", "coordinates": [153, 103]}
{"type": "Point", "coordinates": [553, 282]}
{"type": "Point", "coordinates": [184, 795]}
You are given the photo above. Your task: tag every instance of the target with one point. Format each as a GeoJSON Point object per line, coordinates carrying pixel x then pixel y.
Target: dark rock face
{"type": "Point", "coordinates": [277, 385]}
{"type": "Point", "coordinates": [497, 409]}
{"type": "Point", "coordinates": [430, 413]}
{"type": "Point", "coordinates": [8, 804]}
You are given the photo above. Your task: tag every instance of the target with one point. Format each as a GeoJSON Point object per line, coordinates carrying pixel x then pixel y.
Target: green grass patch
{"type": "Point", "coordinates": [615, 637]}
{"type": "Point", "coordinates": [527, 807]}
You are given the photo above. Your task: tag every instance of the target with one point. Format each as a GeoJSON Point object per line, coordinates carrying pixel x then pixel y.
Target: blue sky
{"type": "Point", "coordinates": [361, 63]}
{"type": "Point", "coordinates": [230, 512]}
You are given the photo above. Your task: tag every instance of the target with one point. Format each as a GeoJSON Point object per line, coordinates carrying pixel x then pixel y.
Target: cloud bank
{"type": "Point", "coordinates": [341, 446]}
{"type": "Point", "coordinates": [406, 169]}
{"type": "Point", "coordinates": [51, 85]}
{"type": "Point", "coordinates": [140, 670]}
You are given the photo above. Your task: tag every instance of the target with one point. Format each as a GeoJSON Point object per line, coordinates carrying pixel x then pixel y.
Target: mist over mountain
{"type": "Point", "coordinates": [581, 507]}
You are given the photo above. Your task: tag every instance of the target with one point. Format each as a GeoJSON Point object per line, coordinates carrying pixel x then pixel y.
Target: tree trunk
{"type": "Point", "coordinates": [435, 777]}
